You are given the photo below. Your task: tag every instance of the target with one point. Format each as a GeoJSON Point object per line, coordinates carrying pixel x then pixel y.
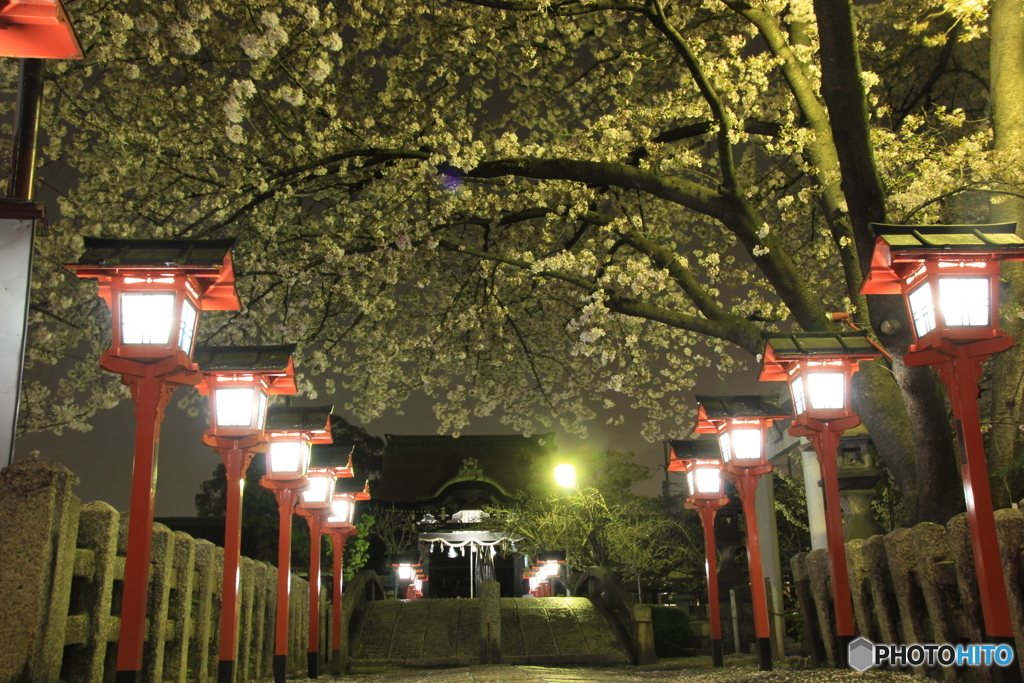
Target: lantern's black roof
{"type": "Point", "coordinates": [739, 406]}
{"type": "Point", "coordinates": [959, 237]}
{"type": "Point", "coordinates": [287, 417]}
{"type": "Point", "coordinates": [350, 485]}
{"type": "Point", "coordinates": [243, 357]}
{"type": "Point", "coordinates": [131, 252]}
{"type": "Point", "coordinates": [551, 556]}
{"type": "Point", "coordinates": [820, 343]}
{"type": "Point", "coordinates": [693, 449]}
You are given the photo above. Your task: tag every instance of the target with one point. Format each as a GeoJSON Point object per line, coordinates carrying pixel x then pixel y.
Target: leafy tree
{"type": "Point", "coordinates": [602, 523]}
{"type": "Point", "coordinates": [538, 209]}
{"type": "Point", "coordinates": [395, 528]}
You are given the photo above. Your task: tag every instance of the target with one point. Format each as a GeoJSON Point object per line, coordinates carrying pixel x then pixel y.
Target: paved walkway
{"type": "Point", "coordinates": [541, 674]}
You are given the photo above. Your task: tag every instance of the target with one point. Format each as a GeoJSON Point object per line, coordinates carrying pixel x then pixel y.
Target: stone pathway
{"type": "Point", "coordinates": [628, 674]}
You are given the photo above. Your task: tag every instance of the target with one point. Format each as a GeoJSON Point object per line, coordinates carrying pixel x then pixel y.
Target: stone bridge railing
{"type": "Point", "coordinates": [913, 585]}
{"type": "Point", "coordinates": [631, 621]}
{"type": "Point", "coordinates": [61, 571]}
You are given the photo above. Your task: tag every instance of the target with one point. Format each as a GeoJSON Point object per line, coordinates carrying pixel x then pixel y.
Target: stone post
{"type": "Point", "coordinates": [936, 577]}
{"type": "Point", "coordinates": [246, 593]}
{"type": "Point", "coordinates": [808, 610]}
{"type": "Point", "coordinates": [860, 590]}
{"type": "Point", "coordinates": [206, 576]}
{"type": "Point", "coordinates": [161, 563]}
{"type": "Point", "coordinates": [97, 535]}
{"type": "Point", "coordinates": [887, 613]}
{"type": "Point", "coordinates": [179, 609]}
{"type": "Point", "coordinates": [39, 526]}
{"type": "Point", "coordinates": [643, 635]}
{"type": "Point", "coordinates": [821, 589]}
{"type": "Point", "coordinates": [903, 567]}
{"type": "Point", "coordinates": [490, 622]}
{"type": "Point", "coordinates": [1010, 530]}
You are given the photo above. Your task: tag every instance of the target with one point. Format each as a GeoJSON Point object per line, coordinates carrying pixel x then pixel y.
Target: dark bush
{"type": "Point", "coordinates": [672, 635]}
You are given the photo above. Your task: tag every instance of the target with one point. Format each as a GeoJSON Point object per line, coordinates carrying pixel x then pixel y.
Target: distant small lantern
{"type": "Point", "coordinates": [38, 29]}
{"type": "Point", "coordinates": [948, 276]}
{"type": "Point", "coordinates": [239, 380]}
{"type": "Point", "coordinates": [704, 479]}
{"type": "Point", "coordinates": [319, 495]}
{"type": "Point", "coordinates": [741, 425]}
{"type": "Point", "coordinates": [706, 486]}
{"type": "Point", "coordinates": [565, 475]}
{"type": "Point", "coordinates": [405, 565]}
{"type": "Point", "coordinates": [291, 433]}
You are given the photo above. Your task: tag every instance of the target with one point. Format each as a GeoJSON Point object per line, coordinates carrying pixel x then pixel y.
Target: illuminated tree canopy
{"type": "Point", "coordinates": [540, 210]}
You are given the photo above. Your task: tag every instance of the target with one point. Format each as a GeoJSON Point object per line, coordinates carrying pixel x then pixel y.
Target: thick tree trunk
{"type": "Point", "coordinates": [1005, 399]}
{"type": "Point", "coordinates": [934, 493]}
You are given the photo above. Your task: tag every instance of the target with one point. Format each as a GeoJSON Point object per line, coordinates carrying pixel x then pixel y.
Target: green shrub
{"type": "Point", "coordinates": [672, 635]}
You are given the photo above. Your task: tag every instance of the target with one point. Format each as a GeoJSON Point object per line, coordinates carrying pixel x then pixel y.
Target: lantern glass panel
{"type": "Point", "coordinates": [827, 390]}
{"type": "Point", "coordinates": [319, 490]}
{"type": "Point", "coordinates": [965, 301]}
{"type": "Point", "coordinates": [146, 318]}
{"type": "Point", "coordinates": [799, 402]}
{"type": "Point", "coordinates": [707, 479]}
{"type": "Point", "coordinates": [261, 412]}
{"type": "Point", "coordinates": [189, 318]}
{"type": "Point", "coordinates": [289, 457]}
{"type": "Point", "coordinates": [691, 482]}
{"type": "Point", "coordinates": [746, 444]}
{"type": "Point", "coordinates": [723, 444]}
{"type": "Point", "coordinates": [922, 309]}
{"type": "Point", "coordinates": [551, 568]}
{"type": "Point", "coordinates": [404, 571]}
{"type": "Point", "coordinates": [341, 512]}
{"type": "Point", "coordinates": [565, 476]}
{"type": "Point", "coordinates": [233, 406]}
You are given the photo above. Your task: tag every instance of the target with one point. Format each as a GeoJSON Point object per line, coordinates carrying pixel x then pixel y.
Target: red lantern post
{"type": "Point", "coordinates": [818, 369]}
{"type": "Point", "coordinates": [156, 290]}
{"type": "Point", "coordinates": [948, 276]}
{"type": "Point", "coordinates": [339, 526]}
{"type": "Point", "coordinates": [705, 484]}
{"type": "Point", "coordinates": [290, 433]}
{"type": "Point", "coordinates": [741, 425]}
{"type": "Point", "coordinates": [238, 380]}
{"type": "Point", "coordinates": [316, 503]}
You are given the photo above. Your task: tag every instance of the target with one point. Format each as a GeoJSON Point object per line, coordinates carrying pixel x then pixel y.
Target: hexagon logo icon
{"type": "Point", "coordinates": [861, 654]}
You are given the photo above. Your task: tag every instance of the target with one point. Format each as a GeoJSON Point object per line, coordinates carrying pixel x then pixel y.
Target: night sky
{"type": "Point", "coordinates": [102, 458]}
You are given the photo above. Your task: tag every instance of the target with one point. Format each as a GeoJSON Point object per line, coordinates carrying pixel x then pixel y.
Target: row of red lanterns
{"type": "Point", "coordinates": [157, 291]}
{"type": "Point", "coordinates": [949, 278]}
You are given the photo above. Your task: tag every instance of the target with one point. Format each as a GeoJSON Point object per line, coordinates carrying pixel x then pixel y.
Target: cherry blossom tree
{"type": "Point", "coordinates": [539, 209]}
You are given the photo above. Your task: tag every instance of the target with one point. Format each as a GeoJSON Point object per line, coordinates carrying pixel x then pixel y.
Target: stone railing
{"type": "Point", "coordinates": [913, 585]}
{"type": "Point", "coordinates": [631, 621]}
{"type": "Point", "coordinates": [61, 571]}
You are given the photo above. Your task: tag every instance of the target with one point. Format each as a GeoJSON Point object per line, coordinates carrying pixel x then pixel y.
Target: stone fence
{"type": "Point", "coordinates": [61, 575]}
{"type": "Point", "coordinates": [912, 586]}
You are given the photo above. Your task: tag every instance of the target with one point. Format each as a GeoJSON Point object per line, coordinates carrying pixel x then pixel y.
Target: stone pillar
{"type": "Point", "coordinates": [1010, 530]}
{"type": "Point", "coordinates": [936, 576]}
{"type": "Point", "coordinates": [206, 577]}
{"type": "Point", "coordinates": [262, 577]}
{"type": "Point", "coordinates": [246, 593]}
{"type": "Point", "coordinates": [815, 498]}
{"type": "Point", "coordinates": [179, 609]}
{"type": "Point", "coordinates": [860, 590]}
{"type": "Point", "coordinates": [771, 566]}
{"type": "Point", "coordinates": [38, 527]}
{"type": "Point", "coordinates": [962, 552]}
{"type": "Point", "coordinates": [490, 622]}
{"type": "Point", "coordinates": [643, 635]}
{"type": "Point", "coordinates": [887, 614]}
{"type": "Point", "coordinates": [821, 589]}
{"type": "Point", "coordinates": [269, 617]}
{"type": "Point", "coordinates": [808, 610]}
{"type": "Point", "coordinates": [903, 568]}
{"type": "Point", "coordinates": [161, 562]}
{"type": "Point", "coordinates": [97, 534]}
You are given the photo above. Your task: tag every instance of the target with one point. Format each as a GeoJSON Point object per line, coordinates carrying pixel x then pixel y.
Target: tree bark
{"type": "Point", "coordinates": [1004, 400]}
